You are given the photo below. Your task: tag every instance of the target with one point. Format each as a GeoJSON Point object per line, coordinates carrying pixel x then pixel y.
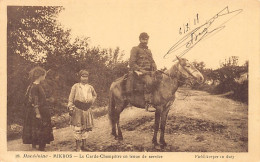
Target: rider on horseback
{"type": "Point", "coordinates": [142, 63]}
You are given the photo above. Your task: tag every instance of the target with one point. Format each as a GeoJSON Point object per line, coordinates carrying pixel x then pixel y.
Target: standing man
{"type": "Point", "coordinates": [142, 62]}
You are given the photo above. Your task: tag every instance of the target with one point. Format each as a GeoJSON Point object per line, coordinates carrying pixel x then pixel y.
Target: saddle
{"type": "Point", "coordinates": [133, 82]}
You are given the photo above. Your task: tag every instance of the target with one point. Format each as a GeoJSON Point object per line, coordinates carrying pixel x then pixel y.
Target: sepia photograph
{"type": "Point", "coordinates": [130, 80]}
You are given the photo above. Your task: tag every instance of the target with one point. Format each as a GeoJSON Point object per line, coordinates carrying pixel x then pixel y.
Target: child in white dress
{"type": "Point", "coordinates": [81, 98]}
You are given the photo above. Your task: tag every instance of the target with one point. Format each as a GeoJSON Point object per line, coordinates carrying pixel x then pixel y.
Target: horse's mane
{"type": "Point", "coordinates": [173, 70]}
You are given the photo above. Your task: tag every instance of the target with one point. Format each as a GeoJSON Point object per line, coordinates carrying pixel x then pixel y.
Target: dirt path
{"type": "Point", "coordinates": [199, 123]}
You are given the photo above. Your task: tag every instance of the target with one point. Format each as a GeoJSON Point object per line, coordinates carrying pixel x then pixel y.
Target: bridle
{"type": "Point", "coordinates": [190, 73]}
{"type": "Point", "coordinates": [174, 77]}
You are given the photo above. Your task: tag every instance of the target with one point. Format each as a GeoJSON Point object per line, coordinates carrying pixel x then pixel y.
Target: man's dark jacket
{"type": "Point", "coordinates": [141, 59]}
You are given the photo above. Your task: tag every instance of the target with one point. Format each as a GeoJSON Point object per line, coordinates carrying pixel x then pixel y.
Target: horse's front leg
{"type": "Point", "coordinates": [162, 126]}
{"type": "Point", "coordinates": [156, 126]}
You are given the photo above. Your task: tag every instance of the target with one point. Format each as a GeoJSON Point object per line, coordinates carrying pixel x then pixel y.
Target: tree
{"type": "Point", "coordinates": [231, 61]}
{"type": "Point", "coordinates": [34, 37]}
{"type": "Point", "coordinates": [227, 73]}
{"type": "Point", "coordinates": [199, 65]}
{"type": "Point", "coordinates": [32, 31]}
{"type": "Point", "coordinates": [33, 34]}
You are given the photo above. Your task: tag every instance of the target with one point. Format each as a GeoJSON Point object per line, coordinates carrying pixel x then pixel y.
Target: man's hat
{"type": "Point", "coordinates": [143, 35]}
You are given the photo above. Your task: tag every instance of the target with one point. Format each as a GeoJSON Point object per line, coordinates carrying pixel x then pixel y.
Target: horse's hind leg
{"type": "Point", "coordinates": [114, 130]}
{"type": "Point", "coordinates": [120, 135]}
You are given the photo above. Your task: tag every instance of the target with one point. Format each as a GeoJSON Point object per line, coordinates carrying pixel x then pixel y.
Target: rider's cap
{"type": "Point", "coordinates": [144, 36]}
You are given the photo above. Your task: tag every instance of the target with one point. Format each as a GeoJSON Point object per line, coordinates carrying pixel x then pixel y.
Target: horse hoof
{"type": "Point", "coordinates": [155, 143]}
{"type": "Point", "coordinates": [113, 134]}
{"type": "Point", "coordinates": [120, 138]}
{"type": "Point", "coordinates": [157, 147]}
{"type": "Point", "coordinates": [163, 145]}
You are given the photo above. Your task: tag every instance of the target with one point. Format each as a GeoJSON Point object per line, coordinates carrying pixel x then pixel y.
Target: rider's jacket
{"type": "Point", "coordinates": [141, 59]}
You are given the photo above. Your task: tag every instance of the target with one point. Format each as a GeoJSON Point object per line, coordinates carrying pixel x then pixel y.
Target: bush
{"type": "Point", "coordinates": [241, 92]}
{"type": "Point", "coordinates": [41, 41]}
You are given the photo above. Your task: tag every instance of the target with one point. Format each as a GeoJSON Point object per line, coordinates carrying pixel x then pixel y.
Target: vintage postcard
{"type": "Point", "coordinates": [130, 80]}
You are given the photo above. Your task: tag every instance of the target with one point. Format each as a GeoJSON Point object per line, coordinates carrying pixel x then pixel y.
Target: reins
{"type": "Point", "coordinates": [174, 77]}
{"type": "Point", "coordinates": [170, 76]}
{"type": "Point", "coordinates": [190, 73]}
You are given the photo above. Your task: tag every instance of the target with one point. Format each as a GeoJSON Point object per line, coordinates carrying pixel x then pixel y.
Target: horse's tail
{"type": "Point", "coordinates": [111, 108]}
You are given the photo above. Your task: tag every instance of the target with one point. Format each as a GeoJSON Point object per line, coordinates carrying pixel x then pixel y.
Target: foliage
{"type": "Point", "coordinates": [199, 65]}
{"type": "Point", "coordinates": [32, 33]}
{"type": "Point", "coordinates": [225, 75]}
{"type": "Point", "coordinates": [34, 37]}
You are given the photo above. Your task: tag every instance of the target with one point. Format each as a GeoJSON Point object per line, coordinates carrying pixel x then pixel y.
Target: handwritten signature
{"type": "Point", "coordinates": [195, 36]}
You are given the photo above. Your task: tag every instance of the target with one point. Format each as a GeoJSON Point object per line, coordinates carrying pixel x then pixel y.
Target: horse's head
{"type": "Point", "coordinates": [188, 71]}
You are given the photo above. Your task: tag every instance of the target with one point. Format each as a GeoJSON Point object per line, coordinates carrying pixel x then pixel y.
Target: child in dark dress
{"type": "Point", "coordinates": [37, 128]}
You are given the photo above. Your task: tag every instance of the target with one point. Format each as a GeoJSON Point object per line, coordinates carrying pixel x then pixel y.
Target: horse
{"type": "Point", "coordinates": [162, 97]}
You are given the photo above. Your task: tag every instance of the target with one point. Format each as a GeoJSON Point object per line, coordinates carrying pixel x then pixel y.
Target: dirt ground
{"type": "Point", "coordinates": [197, 122]}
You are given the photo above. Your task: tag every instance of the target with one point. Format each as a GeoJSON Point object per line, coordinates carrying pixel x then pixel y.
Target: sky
{"type": "Point", "coordinates": [118, 23]}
